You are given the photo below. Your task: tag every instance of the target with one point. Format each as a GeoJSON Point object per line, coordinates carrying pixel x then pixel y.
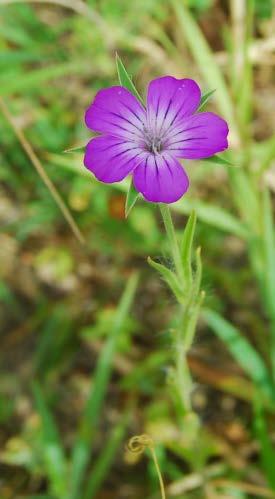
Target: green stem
{"type": "Point", "coordinates": [174, 247]}
{"type": "Point", "coordinates": [182, 376]}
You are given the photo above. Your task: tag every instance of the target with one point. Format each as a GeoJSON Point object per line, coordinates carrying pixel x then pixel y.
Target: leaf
{"type": "Point", "coordinates": [169, 277]}
{"type": "Point", "coordinates": [104, 461]}
{"type": "Point", "coordinates": [32, 80]}
{"type": "Point", "coordinates": [125, 80]}
{"type": "Point", "coordinates": [263, 8]}
{"type": "Point", "coordinates": [269, 268]}
{"type": "Point", "coordinates": [98, 388]}
{"type": "Point", "coordinates": [269, 252]}
{"type": "Point", "coordinates": [242, 351]}
{"type": "Point", "coordinates": [214, 216]}
{"type": "Point", "coordinates": [204, 57]}
{"type": "Point", "coordinates": [198, 274]}
{"type": "Point", "coordinates": [205, 98]}
{"type": "Point", "coordinates": [267, 149]}
{"type": "Point", "coordinates": [186, 247]}
{"type": "Point", "coordinates": [54, 456]}
{"type": "Point", "coordinates": [218, 160]}
{"type": "Point", "coordinates": [131, 199]}
{"type": "Point", "coordinates": [76, 149]}
{"type": "Point", "coordinates": [267, 452]}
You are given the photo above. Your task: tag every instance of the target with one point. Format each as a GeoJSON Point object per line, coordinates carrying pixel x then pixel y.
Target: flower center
{"type": "Point", "coordinates": [155, 146]}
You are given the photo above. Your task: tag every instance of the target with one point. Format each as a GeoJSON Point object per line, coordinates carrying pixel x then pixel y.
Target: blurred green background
{"type": "Point", "coordinates": [86, 329]}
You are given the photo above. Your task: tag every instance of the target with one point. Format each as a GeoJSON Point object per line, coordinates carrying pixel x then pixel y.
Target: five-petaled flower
{"type": "Point", "coordinates": [148, 143]}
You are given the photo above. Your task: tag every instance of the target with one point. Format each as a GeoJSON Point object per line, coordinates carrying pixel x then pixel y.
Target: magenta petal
{"type": "Point", "coordinates": [115, 111]}
{"type": "Point", "coordinates": [160, 178]}
{"type": "Point", "coordinates": [169, 100]}
{"type": "Point", "coordinates": [111, 159]}
{"type": "Point", "coordinates": [198, 136]}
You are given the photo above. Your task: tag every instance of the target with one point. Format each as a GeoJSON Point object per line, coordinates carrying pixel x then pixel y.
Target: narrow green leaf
{"type": "Point", "coordinates": [169, 277]}
{"type": "Point", "coordinates": [125, 80]}
{"type": "Point", "coordinates": [33, 79]}
{"type": "Point", "coordinates": [103, 464]}
{"type": "Point", "coordinates": [98, 388]}
{"type": "Point", "coordinates": [242, 351]}
{"type": "Point", "coordinates": [198, 273]}
{"type": "Point", "coordinates": [269, 268]}
{"type": "Point", "coordinates": [214, 216]}
{"type": "Point", "coordinates": [76, 149]}
{"type": "Point", "coordinates": [244, 195]}
{"type": "Point", "coordinates": [186, 247]}
{"type": "Point", "coordinates": [218, 160]}
{"type": "Point", "coordinates": [267, 451]}
{"type": "Point", "coordinates": [131, 199]}
{"type": "Point", "coordinates": [264, 8]}
{"type": "Point", "coordinates": [269, 251]}
{"type": "Point", "coordinates": [267, 155]}
{"type": "Point", "coordinates": [54, 456]}
{"type": "Point", "coordinates": [204, 57]}
{"type": "Point", "coordinates": [205, 98]}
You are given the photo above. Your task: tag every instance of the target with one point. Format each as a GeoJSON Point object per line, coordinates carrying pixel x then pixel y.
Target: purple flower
{"type": "Point", "coordinates": [147, 143]}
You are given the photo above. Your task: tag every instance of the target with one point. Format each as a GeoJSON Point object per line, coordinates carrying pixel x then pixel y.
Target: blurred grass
{"type": "Point", "coordinates": [59, 302]}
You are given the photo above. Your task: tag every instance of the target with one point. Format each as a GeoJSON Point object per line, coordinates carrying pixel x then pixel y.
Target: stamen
{"type": "Point", "coordinates": [153, 144]}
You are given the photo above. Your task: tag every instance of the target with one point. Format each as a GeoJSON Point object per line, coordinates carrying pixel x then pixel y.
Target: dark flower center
{"type": "Point", "coordinates": [155, 146]}
{"type": "Point", "coordinates": [153, 143]}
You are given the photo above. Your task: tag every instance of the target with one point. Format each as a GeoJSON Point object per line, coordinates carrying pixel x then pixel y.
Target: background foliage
{"type": "Point", "coordinates": [85, 340]}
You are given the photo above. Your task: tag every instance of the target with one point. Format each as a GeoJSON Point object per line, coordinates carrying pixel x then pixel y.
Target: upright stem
{"type": "Point", "coordinates": [182, 376]}
{"type": "Point", "coordinates": [174, 247]}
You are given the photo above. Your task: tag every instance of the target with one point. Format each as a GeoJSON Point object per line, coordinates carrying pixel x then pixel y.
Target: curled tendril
{"type": "Point", "coordinates": [137, 445]}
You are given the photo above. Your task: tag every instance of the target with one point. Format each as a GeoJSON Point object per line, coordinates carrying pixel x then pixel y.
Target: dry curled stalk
{"type": "Point", "coordinates": [137, 445]}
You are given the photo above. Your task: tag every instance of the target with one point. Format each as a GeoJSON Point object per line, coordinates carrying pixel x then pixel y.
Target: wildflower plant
{"type": "Point", "coordinates": [147, 143]}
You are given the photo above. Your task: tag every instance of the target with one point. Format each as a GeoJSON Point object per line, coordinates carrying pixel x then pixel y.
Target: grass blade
{"type": "Point", "coordinates": [32, 80]}
{"type": "Point", "coordinates": [214, 216]}
{"type": "Point", "coordinates": [54, 456]}
{"type": "Point", "coordinates": [267, 451]}
{"type": "Point", "coordinates": [269, 256]}
{"type": "Point", "coordinates": [104, 462]}
{"type": "Point", "coordinates": [269, 251]}
{"type": "Point", "coordinates": [99, 385]}
{"type": "Point", "coordinates": [205, 60]}
{"type": "Point", "coordinates": [242, 351]}
{"type": "Point", "coordinates": [41, 171]}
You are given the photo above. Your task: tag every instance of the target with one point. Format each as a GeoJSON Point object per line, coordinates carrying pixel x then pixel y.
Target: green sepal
{"type": "Point", "coordinates": [219, 161]}
{"type": "Point", "coordinates": [131, 199]}
{"type": "Point", "coordinates": [205, 98]}
{"type": "Point", "coordinates": [75, 149]}
{"type": "Point", "coordinates": [125, 79]}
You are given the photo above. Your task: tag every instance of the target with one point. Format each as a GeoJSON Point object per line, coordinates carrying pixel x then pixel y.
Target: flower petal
{"type": "Point", "coordinates": [115, 111]}
{"type": "Point", "coordinates": [160, 178]}
{"type": "Point", "coordinates": [111, 159]}
{"type": "Point", "coordinates": [198, 136]}
{"type": "Point", "coordinates": [169, 100]}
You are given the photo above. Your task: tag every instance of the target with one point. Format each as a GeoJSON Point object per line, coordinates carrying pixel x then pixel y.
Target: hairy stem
{"type": "Point", "coordinates": [183, 380]}
{"type": "Point", "coordinates": [174, 247]}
